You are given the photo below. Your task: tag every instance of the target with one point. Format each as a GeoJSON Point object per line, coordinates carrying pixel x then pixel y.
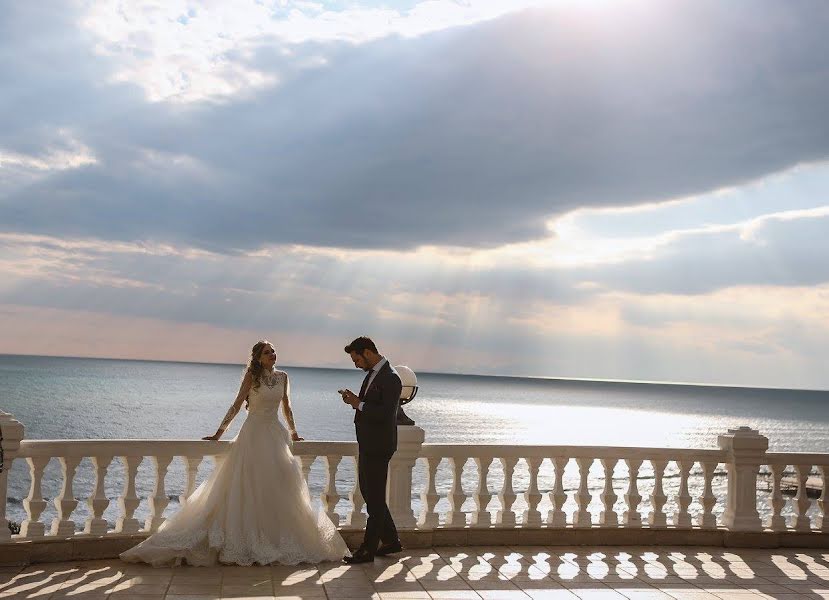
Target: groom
{"type": "Point", "coordinates": [375, 419]}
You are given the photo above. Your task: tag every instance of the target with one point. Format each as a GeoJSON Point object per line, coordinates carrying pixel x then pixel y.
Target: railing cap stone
{"type": "Point", "coordinates": [12, 431]}
{"type": "Point", "coordinates": [743, 439]}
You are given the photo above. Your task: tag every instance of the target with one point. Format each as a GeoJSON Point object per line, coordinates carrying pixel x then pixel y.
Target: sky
{"type": "Point", "coordinates": [627, 189]}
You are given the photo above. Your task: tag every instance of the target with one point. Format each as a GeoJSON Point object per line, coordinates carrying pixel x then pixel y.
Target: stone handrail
{"type": "Point", "coordinates": [597, 452]}
{"type": "Point", "coordinates": [450, 489]}
{"type": "Point", "coordinates": [88, 448]}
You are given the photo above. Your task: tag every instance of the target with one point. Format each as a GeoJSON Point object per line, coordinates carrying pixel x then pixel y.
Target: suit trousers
{"type": "Point", "coordinates": [373, 470]}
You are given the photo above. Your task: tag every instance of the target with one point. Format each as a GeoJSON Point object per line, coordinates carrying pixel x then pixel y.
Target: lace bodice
{"type": "Point", "coordinates": [267, 398]}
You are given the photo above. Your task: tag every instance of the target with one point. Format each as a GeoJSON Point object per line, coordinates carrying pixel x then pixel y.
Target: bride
{"type": "Point", "coordinates": [255, 506]}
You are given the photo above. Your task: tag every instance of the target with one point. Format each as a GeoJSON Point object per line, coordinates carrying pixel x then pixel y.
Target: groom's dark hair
{"type": "Point", "coordinates": [360, 345]}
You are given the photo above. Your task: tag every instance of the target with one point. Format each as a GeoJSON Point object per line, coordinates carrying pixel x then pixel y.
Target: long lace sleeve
{"type": "Point", "coordinates": [235, 407]}
{"type": "Point", "coordinates": [229, 416]}
{"type": "Point", "coordinates": [286, 405]}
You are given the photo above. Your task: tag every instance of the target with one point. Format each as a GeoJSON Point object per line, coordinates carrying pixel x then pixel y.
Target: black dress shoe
{"type": "Point", "coordinates": [361, 556]}
{"type": "Point", "coordinates": [387, 549]}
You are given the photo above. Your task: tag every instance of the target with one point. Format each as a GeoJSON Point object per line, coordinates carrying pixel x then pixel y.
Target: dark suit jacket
{"type": "Point", "coordinates": [376, 424]}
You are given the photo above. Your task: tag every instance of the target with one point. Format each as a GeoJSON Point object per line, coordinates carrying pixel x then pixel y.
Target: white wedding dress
{"type": "Point", "coordinates": [254, 508]}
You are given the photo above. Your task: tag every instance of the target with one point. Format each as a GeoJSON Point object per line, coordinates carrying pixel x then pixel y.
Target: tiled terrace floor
{"type": "Point", "coordinates": [472, 573]}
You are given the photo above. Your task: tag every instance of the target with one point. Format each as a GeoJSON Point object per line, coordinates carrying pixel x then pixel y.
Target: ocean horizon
{"type": "Point", "coordinates": [456, 373]}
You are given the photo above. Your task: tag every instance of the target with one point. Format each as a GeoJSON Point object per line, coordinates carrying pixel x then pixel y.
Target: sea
{"type": "Point", "coordinates": [83, 398]}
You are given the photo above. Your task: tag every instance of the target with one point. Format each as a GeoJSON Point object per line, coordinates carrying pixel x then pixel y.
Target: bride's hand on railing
{"type": "Point", "coordinates": [212, 438]}
{"type": "Point", "coordinates": [295, 437]}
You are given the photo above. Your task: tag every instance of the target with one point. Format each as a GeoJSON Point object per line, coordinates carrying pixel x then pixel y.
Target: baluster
{"type": "Point", "coordinates": [708, 499]}
{"type": "Point", "coordinates": [128, 501]}
{"type": "Point", "coordinates": [557, 517]}
{"type": "Point", "coordinates": [480, 480]}
{"type": "Point", "coordinates": [306, 462]}
{"type": "Point", "coordinates": [583, 518]}
{"type": "Point", "coordinates": [358, 519]}
{"type": "Point", "coordinates": [429, 497]}
{"type": "Point", "coordinates": [778, 521]}
{"type": "Point", "coordinates": [658, 498]}
{"type": "Point", "coordinates": [329, 496]}
{"type": "Point", "coordinates": [95, 523]}
{"type": "Point", "coordinates": [34, 503]}
{"type": "Point", "coordinates": [608, 516]}
{"type": "Point", "coordinates": [632, 518]}
{"type": "Point", "coordinates": [682, 518]}
{"type": "Point", "coordinates": [456, 497]}
{"type": "Point", "coordinates": [193, 463]}
{"type": "Point", "coordinates": [801, 499]}
{"type": "Point", "coordinates": [65, 502]}
{"type": "Point", "coordinates": [533, 517]}
{"type": "Point", "coordinates": [507, 497]}
{"type": "Point", "coordinates": [483, 519]}
{"type": "Point", "coordinates": [823, 501]}
{"type": "Point", "coordinates": [158, 501]}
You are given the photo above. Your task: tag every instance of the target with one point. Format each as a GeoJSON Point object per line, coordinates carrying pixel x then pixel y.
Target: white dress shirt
{"type": "Point", "coordinates": [371, 377]}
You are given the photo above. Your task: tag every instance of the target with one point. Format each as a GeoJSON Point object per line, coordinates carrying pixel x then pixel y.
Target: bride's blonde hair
{"type": "Point", "coordinates": [254, 366]}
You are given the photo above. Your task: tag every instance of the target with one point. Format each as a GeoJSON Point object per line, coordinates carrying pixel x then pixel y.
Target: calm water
{"type": "Point", "coordinates": [90, 398]}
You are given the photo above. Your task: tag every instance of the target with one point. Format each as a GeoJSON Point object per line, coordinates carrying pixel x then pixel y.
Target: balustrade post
{"type": "Point", "coordinates": [778, 521]}
{"type": "Point", "coordinates": [746, 450]}
{"type": "Point", "coordinates": [801, 499]}
{"type": "Point", "coordinates": [455, 516]}
{"type": "Point", "coordinates": [193, 463]}
{"type": "Point", "coordinates": [632, 516]}
{"type": "Point", "coordinates": [128, 501]}
{"type": "Point", "coordinates": [65, 502]}
{"type": "Point", "coordinates": [357, 520]}
{"type": "Point", "coordinates": [708, 499]}
{"type": "Point", "coordinates": [330, 496]}
{"type": "Point", "coordinates": [95, 523]}
{"type": "Point", "coordinates": [583, 518]}
{"type": "Point", "coordinates": [823, 501]}
{"type": "Point", "coordinates": [482, 518]}
{"type": "Point", "coordinates": [532, 516]}
{"type": "Point", "coordinates": [507, 497]}
{"type": "Point", "coordinates": [608, 516]}
{"type": "Point", "coordinates": [12, 431]}
{"type": "Point", "coordinates": [306, 461]}
{"type": "Point", "coordinates": [557, 517]}
{"type": "Point", "coordinates": [34, 503]}
{"type": "Point", "coordinates": [409, 442]}
{"type": "Point", "coordinates": [657, 517]}
{"type": "Point", "coordinates": [429, 497]}
{"type": "Point", "coordinates": [477, 511]}
{"type": "Point", "coordinates": [158, 501]}
{"type": "Point", "coordinates": [682, 518]}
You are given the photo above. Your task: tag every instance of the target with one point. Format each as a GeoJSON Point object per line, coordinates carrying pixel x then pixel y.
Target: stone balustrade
{"type": "Point", "coordinates": [456, 493]}
{"type": "Point", "coordinates": [803, 464]}
{"type": "Point", "coordinates": [612, 463]}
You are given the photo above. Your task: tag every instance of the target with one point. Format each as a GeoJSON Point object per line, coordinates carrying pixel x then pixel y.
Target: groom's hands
{"type": "Point", "coordinates": [350, 398]}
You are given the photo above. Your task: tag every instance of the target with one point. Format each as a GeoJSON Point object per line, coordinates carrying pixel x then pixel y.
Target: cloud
{"type": "Point", "coordinates": [471, 136]}
{"type": "Point", "coordinates": [177, 52]}
{"type": "Point", "coordinates": [780, 249]}
{"type": "Point", "coordinates": [300, 287]}
{"type": "Point", "coordinates": [437, 310]}
{"type": "Point", "coordinates": [71, 155]}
